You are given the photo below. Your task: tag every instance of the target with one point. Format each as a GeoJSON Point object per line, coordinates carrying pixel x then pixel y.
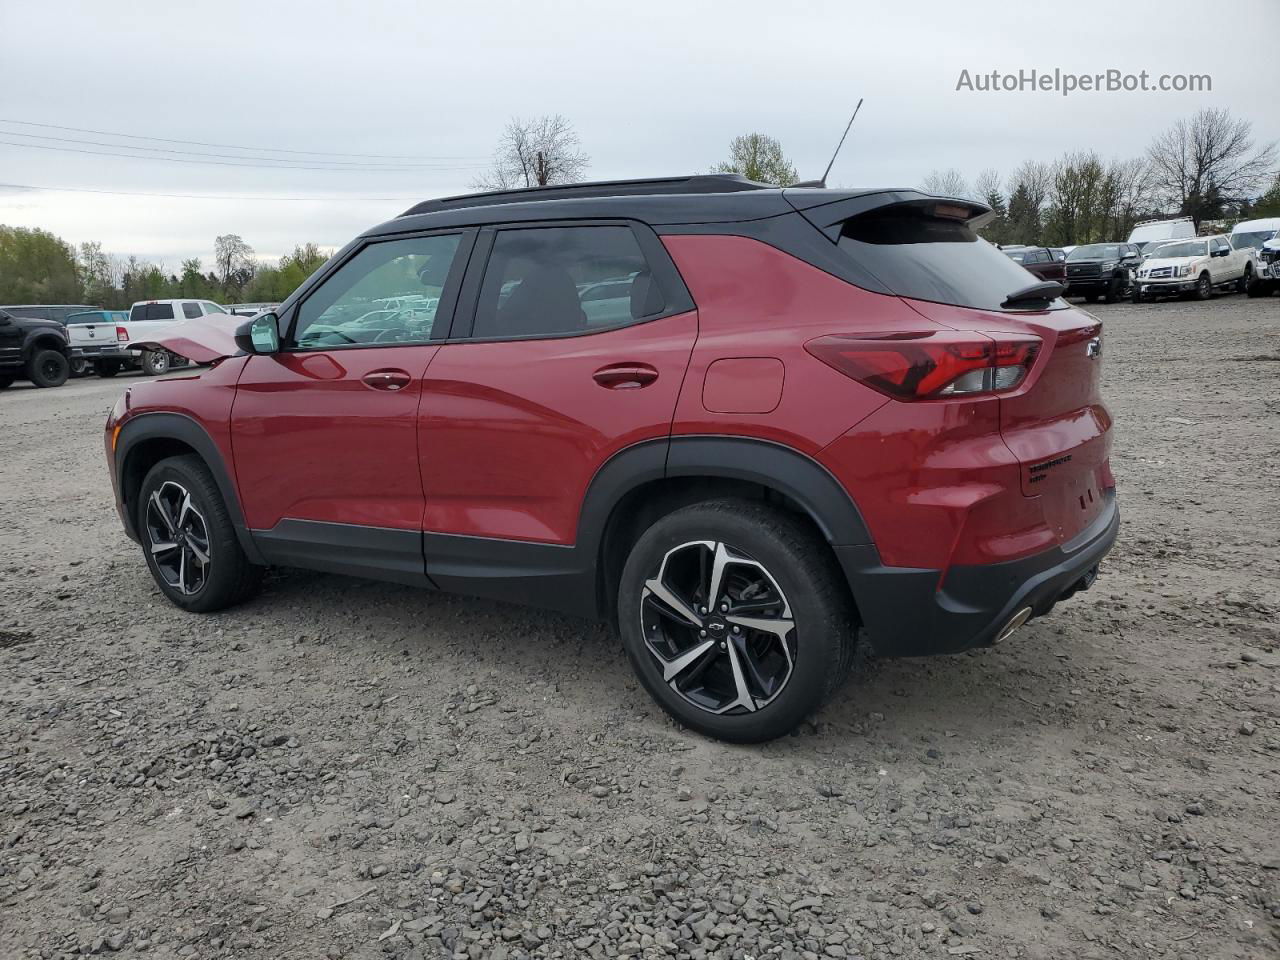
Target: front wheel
{"type": "Point", "coordinates": [736, 619]}
{"type": "Point", "coordinates": [188, 540]}
{"type": "Point", "coordinates": [1115, 289]}
{"type": "Point", "coordinates": [1135, 292]}
{"type": "Point", "coordinates": [1204, 287]}
{"type": "Point", "coordinates": [48, 368]}
{"type": "Point", "coordinates": [155, 362]}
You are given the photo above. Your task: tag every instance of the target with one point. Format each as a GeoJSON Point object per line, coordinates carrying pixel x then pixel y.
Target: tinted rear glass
{"type": "Point", "coordinates": [923, 257]}
{"type": "Point", "coordinates": [78, 318]}
{"type": "Point", "coordinates": [151, 311]}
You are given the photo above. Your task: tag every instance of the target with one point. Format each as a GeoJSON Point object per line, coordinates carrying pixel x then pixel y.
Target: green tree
{"type": "Point", "coordinates": [37, 267]}
{"type": "Point", "coordinates": [97, 274]}
{"type": "Point", "coordinates": [1268, 204]}
{"type": "Point", "coordinates": [760, 158]}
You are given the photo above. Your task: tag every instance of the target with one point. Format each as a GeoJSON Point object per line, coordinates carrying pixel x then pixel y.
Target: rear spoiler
{"type": "Point", "coordinates": [829, 216]}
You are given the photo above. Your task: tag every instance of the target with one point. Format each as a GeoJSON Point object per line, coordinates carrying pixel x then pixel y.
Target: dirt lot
{"type": "Point", "coordinates": [350, 769]}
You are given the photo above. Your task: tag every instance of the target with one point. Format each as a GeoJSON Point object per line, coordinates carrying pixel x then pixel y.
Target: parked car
{"type": "Point", "coordinates": [150, 319]}
{"type": "Point", "coordinates": [1147, 232]}
{"type": "Point", "coordinates": [1102, 270]}
{"type": "Point", "coordinates": [97, 339]}
{"type": "Point", "coordinates": [33, 348]}
{"type": "Point", "coordinates": [56, 312]}
{"type": "Point", "coordinates": [824, 412]}
{"type": "Point", "coordinates": [1267, 279]}
{"type": "Point", "coordinates": [1039, 261]}
{"type": "Point", "coordinates": [1194, 266]}
{"type": "Point", "coordinates": [1060, 253]}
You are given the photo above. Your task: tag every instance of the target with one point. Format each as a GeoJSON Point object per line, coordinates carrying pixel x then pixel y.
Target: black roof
{"type": "Point", "coordinates": [699, 199]}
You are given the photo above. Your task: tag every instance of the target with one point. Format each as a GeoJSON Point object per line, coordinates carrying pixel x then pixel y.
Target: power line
{"type": "Point", "coordinates": [227, 163]}
{"type": "Point", "coordinates": [329, 164]}
{"type": "Point", "coordinates": [232, 146]}
{"type": "Point", "coordinates": [205, 196]}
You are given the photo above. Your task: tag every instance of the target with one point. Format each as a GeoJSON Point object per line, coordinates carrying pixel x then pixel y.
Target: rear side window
{"type": "Point", "coordinates": [557, 281]}
{"type": "Point", "coordinates": [923, 257]}
{"type": "Point", "coordinates": [151, 311]}
{"type": "Point", "coordinates": [191, 310]}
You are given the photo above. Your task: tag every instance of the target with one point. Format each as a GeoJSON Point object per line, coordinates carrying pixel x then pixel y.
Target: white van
{"type": "Point", "coordinates": [1148, 232]}
{"type": "Point", "coordinates": [1254, 233]}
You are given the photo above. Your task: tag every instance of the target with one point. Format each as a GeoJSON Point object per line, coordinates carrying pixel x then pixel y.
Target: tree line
{"type": "Point", "coordinates": [1207, 167]}
{"type": "Point", "coordinates": [38, 267]}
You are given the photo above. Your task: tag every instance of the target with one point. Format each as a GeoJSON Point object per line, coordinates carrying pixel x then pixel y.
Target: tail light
{"type": "Point", "coordinates": [929, 366]}
{"type": "Point", "coordinates": [122, 334]}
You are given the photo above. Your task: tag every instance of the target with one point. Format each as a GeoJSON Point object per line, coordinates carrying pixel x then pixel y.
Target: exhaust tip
{"type": "Point", "coordinates": [1017, 620]}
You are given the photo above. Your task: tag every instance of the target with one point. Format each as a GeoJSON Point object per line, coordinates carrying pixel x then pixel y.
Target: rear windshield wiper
{"type": "Point", "coordinates": [1042, 292]}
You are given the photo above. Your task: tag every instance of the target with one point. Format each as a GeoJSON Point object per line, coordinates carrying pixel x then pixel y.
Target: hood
{"type": "Point", "coordinates": [1171, 261]}
{"type": "Point", "coordinates": [202, 340]}
{"type": "Point", "coordinates": [1273, 244]}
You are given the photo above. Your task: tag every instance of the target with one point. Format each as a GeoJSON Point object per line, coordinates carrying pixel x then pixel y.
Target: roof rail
{"type": "Point", "coordinates": [700, 183]}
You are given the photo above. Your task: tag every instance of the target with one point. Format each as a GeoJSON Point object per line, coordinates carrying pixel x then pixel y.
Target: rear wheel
{"type": "Point", "coordinates": [1204, 287]}
{"type": "Point", "coordinates": [107, 368]}
{"type": "Point", "coordinates": [188, 540]}
{"type": "Point", "coordinates": [48, 368]}
{"type": "Point", "coordinates": [1246, 278]}
{"type": "Point", "coordinates": [155, 362]}
{"type": "Point", "coordinates": [79, 367]}
{"type": "Point", "coordinates": [735, 618]}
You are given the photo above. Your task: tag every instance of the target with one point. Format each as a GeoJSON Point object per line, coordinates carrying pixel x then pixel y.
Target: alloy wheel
{"type": "Point", "coordinates": [178, 538]}
{"type": "Point", "coordinates": [720, 628]}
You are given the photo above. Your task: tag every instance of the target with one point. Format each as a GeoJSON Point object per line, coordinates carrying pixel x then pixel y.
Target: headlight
{"type": "Point", "coordinates": [1184, 269]}
{"type": "Point", "coordinates": [1108, 265]}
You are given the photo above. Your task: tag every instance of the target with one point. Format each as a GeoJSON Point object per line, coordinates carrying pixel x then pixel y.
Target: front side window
{"type": "Point", "coordinates": [212, 308]}
{"type": "Point", "coordinates": [387, 293]}
{"type": "Point", "coordinates": [556, 281]}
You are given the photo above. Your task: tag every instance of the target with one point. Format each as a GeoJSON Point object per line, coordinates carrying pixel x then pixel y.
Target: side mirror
{"type": "Point", "coordinates": [259, 335]}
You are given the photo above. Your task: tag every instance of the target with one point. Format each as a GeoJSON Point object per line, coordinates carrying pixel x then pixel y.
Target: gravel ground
{"type": "Point", "coordinates": [350, 769]}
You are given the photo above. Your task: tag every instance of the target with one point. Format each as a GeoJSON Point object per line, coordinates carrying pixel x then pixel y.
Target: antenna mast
{"type": "Point", "coordinates": [823, 181]}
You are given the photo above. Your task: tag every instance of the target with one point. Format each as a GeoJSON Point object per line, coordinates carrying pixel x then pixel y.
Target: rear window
{"type": "Point", "coordinates": [924, 257]}
{"type": "Point", "coordinates": [151, 311]}
{"type": "Point", "coordinates": [75, 319]}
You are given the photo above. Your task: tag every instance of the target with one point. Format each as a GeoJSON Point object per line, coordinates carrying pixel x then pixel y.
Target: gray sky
{"type": "Point", "coordinates": [653, 88]}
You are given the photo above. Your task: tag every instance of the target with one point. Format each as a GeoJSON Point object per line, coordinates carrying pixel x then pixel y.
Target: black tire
{"type": "Point", "coordinates": [1260, 288]}
{"type": "Point", "coordinates": [1115, 290]}
{"type": "Point", "coordinates": [1135, 293]}
{"type": "Point", "coordinates": [228, 578]}
{"type": "Point", "coordinates": [796, 561]}
{"type": "Point", "coordinates": [1091, 297]}
{"type": "Point", "coordinates": [155, 362]}
{"type": "Point", "coordinates": [1204, 287]}
{"type": "Point", "coordinates": [79, 367]}
{"type": "Point", "coordinates": [1246, 278]}
{"type": "Point", "coordinates": [48, 368]}
{"type": "Point", "coordinates": [6, 381]}
{"type": "Point", "coordinates": [107, 368]}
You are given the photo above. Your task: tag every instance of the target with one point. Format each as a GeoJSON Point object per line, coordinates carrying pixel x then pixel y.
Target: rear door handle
{"type": "Point", "coordinates": [625, 376]}
{"type": "Point", "coordinates": [387, 379]}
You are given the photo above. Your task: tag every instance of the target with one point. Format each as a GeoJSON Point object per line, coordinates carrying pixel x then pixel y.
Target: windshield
{"type": "Point", "coordinates": [1096, 251]}
{"type": "Point", "coordinates": [1185, 248]}
{"type": "Point", "coordinates": [924, 257]}
{"type": "Point", "coordinates": [1255, 240]}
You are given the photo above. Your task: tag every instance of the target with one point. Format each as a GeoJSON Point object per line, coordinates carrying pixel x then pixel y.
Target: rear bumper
{"type": "Point", "coordinates": [93, 353]}
{"type": "Point", "coordinates": [907, 614]}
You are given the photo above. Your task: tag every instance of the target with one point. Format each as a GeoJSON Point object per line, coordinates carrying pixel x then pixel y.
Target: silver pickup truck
{"type": "Point", "coordinates": [97, 339]}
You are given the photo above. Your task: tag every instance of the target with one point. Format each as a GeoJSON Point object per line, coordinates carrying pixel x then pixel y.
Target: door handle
{"type": "Point", "coordinates": [387, 379]}
{"type": "Point", "coordinates": [625, 376]}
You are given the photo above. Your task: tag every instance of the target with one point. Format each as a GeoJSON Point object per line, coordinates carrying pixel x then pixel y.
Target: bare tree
{"type": "Point", "coordinates": [947, 183]}
{"type": "Point", "coordinates": [234, 262]}
{"type": "Point", "coordinates": [1208, 161]}
{"type": "Point", "coordinates": [1134, 194]}
{"type": "Point", "coordinates": [535, 153]}
{"type": "Point", "coordinates": [988, 185]}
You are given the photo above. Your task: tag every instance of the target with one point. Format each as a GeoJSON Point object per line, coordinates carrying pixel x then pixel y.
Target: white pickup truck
{"type": "Point", "coordinates": [1194, 266]}
{"type": "Point", "coordinates": [150, 319]}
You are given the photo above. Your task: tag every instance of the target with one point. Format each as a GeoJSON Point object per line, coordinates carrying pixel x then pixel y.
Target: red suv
{"type": "Point", "coordinates": [747, 425]}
